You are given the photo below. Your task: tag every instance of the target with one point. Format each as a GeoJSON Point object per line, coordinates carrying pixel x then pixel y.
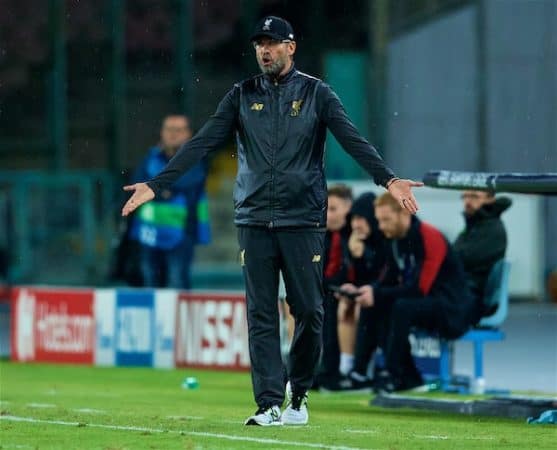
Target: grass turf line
{"type": "Point", "coordinates": [169, 417]}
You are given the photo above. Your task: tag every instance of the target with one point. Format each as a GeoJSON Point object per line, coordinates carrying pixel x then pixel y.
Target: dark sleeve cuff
{"type": "Point", "coordinates": [388, 179]}
{"type": "Point", "coordinates": [155, 188]}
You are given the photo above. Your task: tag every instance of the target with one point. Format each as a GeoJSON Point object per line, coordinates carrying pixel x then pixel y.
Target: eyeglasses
{"type": "Point", "coordinates": [270, 42]}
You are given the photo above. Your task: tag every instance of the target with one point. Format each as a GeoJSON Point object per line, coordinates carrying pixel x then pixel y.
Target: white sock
{"type": "Point", "coordinates": [346, 363]}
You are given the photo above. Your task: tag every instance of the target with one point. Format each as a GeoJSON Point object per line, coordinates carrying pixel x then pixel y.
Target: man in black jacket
{"type": "Point", "coordinates": [483, 242]}
{"type": "Point", "coordinates": [280, 118]}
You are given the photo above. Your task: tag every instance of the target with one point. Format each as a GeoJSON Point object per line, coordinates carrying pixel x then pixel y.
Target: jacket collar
{"type": "Point", "coordinates": [283, 79]}
{"type": "Point", "coordinates": [489, 211]}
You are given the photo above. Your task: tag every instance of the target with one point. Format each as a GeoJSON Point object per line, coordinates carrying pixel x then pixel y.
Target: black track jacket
{"type": "Point", "coordinates": [280, 129]}
{"type": "Point", "coordinates": [427, 266]}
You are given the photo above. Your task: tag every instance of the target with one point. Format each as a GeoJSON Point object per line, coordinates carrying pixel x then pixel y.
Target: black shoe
{"type": "Point", "coordinates": [347, 384]}
{"type": "Point", "coordinates": [382, 381]}
{"type": "Point", "coordinates": [388, 384]}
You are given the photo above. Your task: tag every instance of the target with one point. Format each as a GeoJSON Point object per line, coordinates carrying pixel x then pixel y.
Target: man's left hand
{"type": "Point", "coordinates": [366, 296]}
{"type": "Point", "coordinates": [401, 190]}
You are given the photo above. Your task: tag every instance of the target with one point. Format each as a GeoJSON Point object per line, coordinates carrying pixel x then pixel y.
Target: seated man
{"type": "Point", "coordinates": [483, 241]}
{"type": "Point", "coordinates": [360, 331]}
{"type": "Point", "coordinates": [337, 270]}
{"type": "Point", "coordinates": [430, 293]}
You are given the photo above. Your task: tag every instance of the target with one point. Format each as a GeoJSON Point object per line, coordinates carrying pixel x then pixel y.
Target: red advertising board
{"type": "Point", "coordinates": [211, 331]}
{"type": "Point", "coordinates": [4, 321]}
{"type": "Point", "coordinates": [52, 325]}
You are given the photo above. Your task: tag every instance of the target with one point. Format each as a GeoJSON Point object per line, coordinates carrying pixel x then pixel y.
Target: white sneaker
{"type": "Point", "coordinates": [265, 417]}
{"type": "Point", "coordinates": [296, 412]}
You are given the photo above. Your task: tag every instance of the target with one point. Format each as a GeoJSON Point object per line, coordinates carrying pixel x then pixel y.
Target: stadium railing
{"type": "Point", "coordinates": [58, 225]}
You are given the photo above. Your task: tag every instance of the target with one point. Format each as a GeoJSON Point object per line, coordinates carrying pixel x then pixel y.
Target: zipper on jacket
{"type": "Point", "coordinates": [275, 111]}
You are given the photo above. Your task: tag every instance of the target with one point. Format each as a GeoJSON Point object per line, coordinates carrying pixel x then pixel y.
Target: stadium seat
{"type": "Point", "coordinates": [496, 295]}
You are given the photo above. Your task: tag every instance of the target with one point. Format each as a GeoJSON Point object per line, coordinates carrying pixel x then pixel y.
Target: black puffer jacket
{"type": "Point", "coordinates": [280, 127]}
{"type": "Point", "coordinates": [482, 243]}
{"type": "Point", "coordinates": [369, 266]}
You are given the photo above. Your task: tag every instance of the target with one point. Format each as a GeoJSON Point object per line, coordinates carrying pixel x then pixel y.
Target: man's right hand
{"type": "Point", "coordinates": [366, 298]}
{"type": "Point", "coordinates": [141, 194]}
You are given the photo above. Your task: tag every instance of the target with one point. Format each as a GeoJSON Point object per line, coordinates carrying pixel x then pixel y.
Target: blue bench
{"type": "Point", "coordinates": [497, 294]}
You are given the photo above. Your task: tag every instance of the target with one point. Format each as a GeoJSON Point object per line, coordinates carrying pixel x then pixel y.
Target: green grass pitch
{"type": "Point", "coordinates": [69, 407]}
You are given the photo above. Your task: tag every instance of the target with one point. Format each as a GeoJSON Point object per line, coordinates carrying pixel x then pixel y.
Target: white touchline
{"type": "Point", "coordinates": [444, 438]}
{"type": "Point", "coordinates": [350, 430]}
{"type": "Point", "coordinates": [40, 405]}
{"type": "Point", "coordinates": [269, 441]}
{"type": "Point", "coordinates": [16, 446]}
{"type": "Point", "coordinates": [423, 436]}
{"type": "Point", "coordinates": [185, 417]}
{"type": "Point", "coordinates": [478, 438]}
{"type": "Point", "coordinates": [89, 411]}
{"type": "Point", "coordinates": [229, 437]}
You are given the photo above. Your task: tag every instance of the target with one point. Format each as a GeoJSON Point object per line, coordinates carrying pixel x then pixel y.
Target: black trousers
{"type": "Point", "coordinates": [330, 357]}
{"type": "Point", "coordinates": [408, 313]}
{"type": "Point", "coordinates": [299, 254]}
{"type": "Point", "coordinates": [371, 332]}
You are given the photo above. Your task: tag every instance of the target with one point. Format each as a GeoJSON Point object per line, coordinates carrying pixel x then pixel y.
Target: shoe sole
{"type": "Point", "coordinates": [253, 422]}
{"type": "Point", "coordinates": [324, 390]}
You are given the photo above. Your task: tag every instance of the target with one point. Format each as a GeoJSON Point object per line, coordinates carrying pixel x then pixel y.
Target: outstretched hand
{"type": "Point", "coordinates": [142, 193]}
{"type": "Point", "coordinates": [401, 190]}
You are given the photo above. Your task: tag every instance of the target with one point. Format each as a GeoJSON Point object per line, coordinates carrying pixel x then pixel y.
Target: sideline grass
{"type": "Point", "coordinates": [211, 417]}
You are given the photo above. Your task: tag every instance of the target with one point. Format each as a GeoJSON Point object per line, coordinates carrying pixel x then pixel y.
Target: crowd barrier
{"type": "Point", "coordinates": [122, 327]}
{"type": "Point", "coordinates": [161, 328]}
{"type": "Point", "coordinates": [4, 322]}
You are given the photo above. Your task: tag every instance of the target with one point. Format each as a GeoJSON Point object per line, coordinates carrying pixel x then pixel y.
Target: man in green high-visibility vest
{"type": "Point", "coordinates": [169, 227]}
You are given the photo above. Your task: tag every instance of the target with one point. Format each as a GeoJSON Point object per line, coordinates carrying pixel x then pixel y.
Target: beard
{"type": "Point", "coordinates": [469, 212]}
{"type": "Point", "coordinates": [274, 69]}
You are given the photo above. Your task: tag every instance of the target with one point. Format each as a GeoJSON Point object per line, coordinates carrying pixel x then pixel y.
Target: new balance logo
{"type": "Point", "coordinates": [256, 107]}
{"type": "Point", "coordinates": [316, 258]}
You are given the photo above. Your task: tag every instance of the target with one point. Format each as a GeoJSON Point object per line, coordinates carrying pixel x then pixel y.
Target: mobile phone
{"type": "Point", "coordinates": [339, 290]}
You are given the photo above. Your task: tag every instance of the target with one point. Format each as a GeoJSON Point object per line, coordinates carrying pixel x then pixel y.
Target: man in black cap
{"type": "Point", "coordinates": [280, 119]}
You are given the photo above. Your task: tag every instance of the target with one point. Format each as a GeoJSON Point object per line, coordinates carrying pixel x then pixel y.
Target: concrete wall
{"type": "Point", "coordinates": [523, 222]}
{"type": "Point", "coordinates": [434, 76]}
{"type": "Point", "coordinates": [432, 101]}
